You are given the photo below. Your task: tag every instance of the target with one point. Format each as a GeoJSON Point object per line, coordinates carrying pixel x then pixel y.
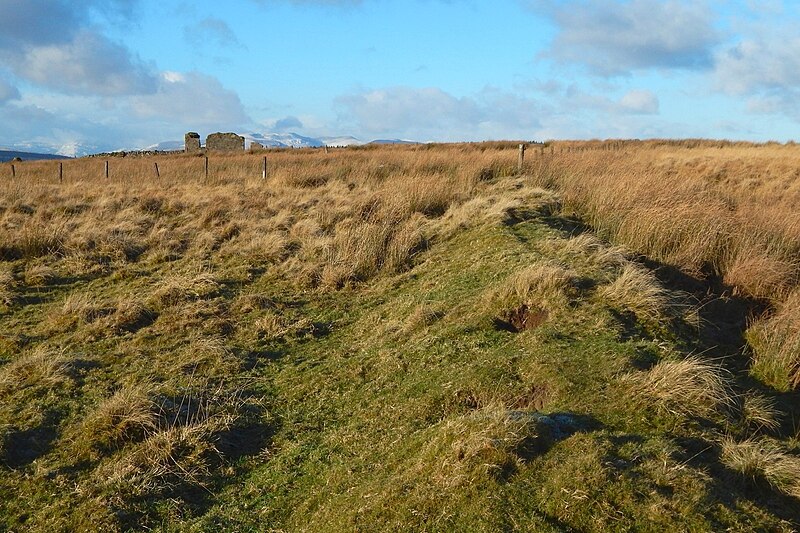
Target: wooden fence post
{"type": "Point", "coordinates": [13, 171]}
{"type": "Point", "coordinates": [60, 172]}
{"type": "Point", "coordinates": [106, 168]}
{"type": "Point", "coordinates": [264, 169]}
{"type": "Point", "coordinates": [521, 160]}
{"type": "Point", "coordinates": [206, 166]}
{"type": "Point", "coordinates": [155, 168]}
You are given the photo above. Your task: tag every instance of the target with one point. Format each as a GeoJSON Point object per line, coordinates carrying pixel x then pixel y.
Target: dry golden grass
{"type": "Point", "coordinates": [688, 387]}
{"type": "Point", "coordinates": [547, 285]}
{"type": "Point", "coordinates": [37, 274]}
{"type": "Point", "coordinates": [637, 289]}
{"type": "Point", "coordinates": [179, 434]}
{"type": "Point", "coordinates": [485, 443]}
{"type": "Point", "coordinates": [326, 220]}
{"type": "Point", "coordinates": [703, 207]}
{"type": "Point", "coordinates": [129, 415]}
{"type": "Point", "coordinates": [598, 252]}
{"type": "Point", "coordinates": [764, 459]}
{"type": "Point", "coordinates": [759, 413]}
{"type": "Point", "coordinates": [41, 367]}
{"type": "Point", "coordinates": [174, 456]}
{"type": "Point", "coordinates": [775, 341]}
{"type": "Point", "coordinates": [207, 356]}
{"type": "Point", "coordinates": [232, 277]}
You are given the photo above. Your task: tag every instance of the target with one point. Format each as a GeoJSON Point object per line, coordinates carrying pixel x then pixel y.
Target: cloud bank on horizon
{"type": "Point", "coordinates": [128, 73]}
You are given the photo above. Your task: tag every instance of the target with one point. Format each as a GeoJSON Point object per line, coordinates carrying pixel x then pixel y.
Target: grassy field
{"type": "Point", "coordinates": [404, 337]}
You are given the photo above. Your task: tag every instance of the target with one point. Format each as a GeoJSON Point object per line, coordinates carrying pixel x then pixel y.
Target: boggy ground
{"type": "Point", "coordinates": [399, 337]}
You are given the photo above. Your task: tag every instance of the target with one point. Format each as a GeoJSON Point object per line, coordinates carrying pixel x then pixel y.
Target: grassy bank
{"type": "Point", "coordinates": [408, 337]}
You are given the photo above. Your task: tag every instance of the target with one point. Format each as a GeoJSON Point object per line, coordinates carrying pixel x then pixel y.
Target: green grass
{"type": "Point", "coordinates": [216, 395]}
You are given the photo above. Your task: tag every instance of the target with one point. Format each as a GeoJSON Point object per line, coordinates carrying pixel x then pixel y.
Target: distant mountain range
{"type": "Point", "coordinates": [287, 140]}
{"type": "Point", "coordinates": [9, 155]}
{"type": "Point", "coordinates": [40, 150]}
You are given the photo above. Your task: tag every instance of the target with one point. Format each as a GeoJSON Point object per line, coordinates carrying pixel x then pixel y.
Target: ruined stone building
{"type": "Point", "coordinates": [225, 142]}
{"type": "Point", "coordinates": [191, 142]}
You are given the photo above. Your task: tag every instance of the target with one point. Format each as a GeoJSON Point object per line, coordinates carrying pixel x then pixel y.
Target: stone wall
{"type": "Point", "coordinates": [191, 142]}
{"type": "Point", "coordinates": [225, 142]}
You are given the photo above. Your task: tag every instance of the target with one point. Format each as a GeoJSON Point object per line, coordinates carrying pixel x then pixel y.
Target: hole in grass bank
{"type": "Point", "coordinates": [521, 319]}
{"type": "Point", "coordinates": [514, 215]}
{"type": "Point", "coordinates": [535, 397]}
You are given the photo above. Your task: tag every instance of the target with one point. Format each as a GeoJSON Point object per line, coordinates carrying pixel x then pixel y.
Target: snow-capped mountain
{"type": "Point", "coordinates": [392, 141]}
{"type": "Point", "coordinates": [267, 140]}
{"type": "Point", "coordinates": [336, 142]}
{"type": "Point", "coordinates": [9, 155]}
{"type": "Point", "coordinates": [70, 149]}
{"type": "Point", "coordinates": [165, 146]}
{"type": "Point", "coordinates": [279, 140]}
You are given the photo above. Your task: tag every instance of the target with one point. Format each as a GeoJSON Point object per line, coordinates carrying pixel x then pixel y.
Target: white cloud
{"type": "Point", "coordinates": [763, 68]}
{"type": "Point", "coordinates": [191, 98]}
{"type": "Point", "coordinates": [639, 102]}
{"type": "Point", "coordinates": [89, 64]}
{"type": "Point", "coordinates": [619, 36]}
{"type": "Point", "coordinates": [95, 88]}
{"type": "Point", "coordinates": [56, 44]}
{"type": "Point", "coordinates": [433, 114]}
{"type": "Point", "coordinates": [759, 64]}
{"type": "Point", "coordinates": [182, 102]}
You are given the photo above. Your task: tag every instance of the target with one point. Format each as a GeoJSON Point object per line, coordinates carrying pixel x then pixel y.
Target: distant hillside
{"type": "Point", "coordinates": [287, 140]}
{"type": "Point", "coordinates": [392, 141]}
{"type": "Point", "coordinates": [8, 155]}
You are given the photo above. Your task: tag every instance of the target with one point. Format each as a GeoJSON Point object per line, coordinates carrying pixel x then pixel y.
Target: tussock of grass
{"type": "Point", "coordinates": [775, 342]}
{"type": "Point", "coordinates": [184, 287]}
{"type": "Point", "coordinates": [759, 413]}
{"type": "Point", "coordinates": [637, 290]}
{"type": "Point", "coordinates": [262, 247]}
{"type": "Point", "coordinates": [421, 317]}
{"type": "Point", "coordinates": [764, 459]}
{"type": "Point", "coordinates": [129, 415]}
{"type": "Point", "coordinates": [690, 387]}
{"type": "Point", "coordinates": [484, 444]}
{"type": "Point", "coordinates": [598, 252]}
{"type": "Point", "coordinates": [206, 317]}
{"type": "Point", "coordinates": [207, 356]}
{"type": "Point", "coordinates": [36, 238]}
{"type": "Point", "coordinates": [181, 451]}
{"type": "Point", "coordinates": [164, 461]}
{"type": "Point", "coordinates": [273, 326]}
{"type": "Point", "coordinates": [360, 250]}
{"type": "Point", "coordinates": [41, 367]}
{"type": "Point", "coordinates": [546, 284]}
{"type": "Point", "coordinates": [129, 313]}
{"type": "Point", "coordinates": [38, 274]}
{"type": "Point", "coordinates": [78, 309]}
{"type": "Point", "coordinates": [760, 275]}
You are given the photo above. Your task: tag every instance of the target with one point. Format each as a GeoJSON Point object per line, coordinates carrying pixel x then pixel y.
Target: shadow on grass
{"type": "Point", "coordinates": [22, 447]}
{"type": "Point", "coordinates": [729, 488]}
{"type": "Point", "coordinates": [193, 497]}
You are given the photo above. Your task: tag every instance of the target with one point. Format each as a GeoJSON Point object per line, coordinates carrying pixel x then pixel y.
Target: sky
{"type": "Point", "coordinates": [113, 74]}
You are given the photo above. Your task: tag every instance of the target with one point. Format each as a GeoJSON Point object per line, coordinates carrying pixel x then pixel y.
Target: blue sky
{"type": "Point", "coordinates": [128, 73]}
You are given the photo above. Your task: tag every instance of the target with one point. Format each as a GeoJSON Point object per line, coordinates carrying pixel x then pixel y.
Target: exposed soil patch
{"type": "Point", "coordinates": [521, 319]}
